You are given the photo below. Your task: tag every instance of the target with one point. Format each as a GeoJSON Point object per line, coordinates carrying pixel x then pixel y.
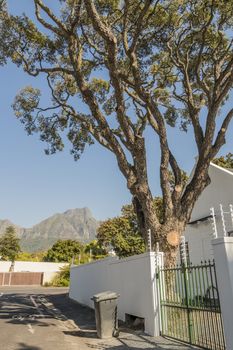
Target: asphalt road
{"type": "Point", "coordinates": [38, 319]}
{"type": "Point", "coordinates": [46, 319]}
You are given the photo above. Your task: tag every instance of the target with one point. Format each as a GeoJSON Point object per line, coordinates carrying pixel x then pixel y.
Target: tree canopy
{"type": "Point", "coordinates": [25, 256]}
{"type": "Point", "coordinates": [63, 251]}
{"type": "Point", "coordinates": [95, 249]}
{"type": "Point", "coordinates": [122, 234]}
{"type": "Point", "coordinates": [116, 68]}
{"type": "Point", "coordinates": [117, 233]}
{"type": "Point", "coordinates": [225, 161]}
{"type": "Point", "coordinates": [9, 245]}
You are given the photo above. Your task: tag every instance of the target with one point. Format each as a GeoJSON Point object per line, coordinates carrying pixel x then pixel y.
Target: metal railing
{"type": "Point", "coordinates": [190, 307]}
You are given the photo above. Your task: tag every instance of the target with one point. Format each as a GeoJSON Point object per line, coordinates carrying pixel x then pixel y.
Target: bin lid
{"type": "Point", "coordinates": [107, 295]}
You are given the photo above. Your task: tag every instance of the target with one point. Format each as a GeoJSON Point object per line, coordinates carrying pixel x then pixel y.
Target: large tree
{"type": "Point", "coordinates": [9, 246]}
{"type": "Point", "coordinates": [95, 250]}
{"type": "Point", "coordinates": [63, 251]}
{"type": "Point", "coordinates": [121, 233]}
{"type": "Point", "coordinates": [116, 68]}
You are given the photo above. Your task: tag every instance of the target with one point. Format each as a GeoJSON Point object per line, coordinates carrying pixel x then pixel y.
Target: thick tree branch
{"type": "Point", "coordinates": [88, 96]}
{"type": "Point", "coordinates": [139, 24]}
{"type": "Point", "coordinates": [75, 15]}
{"type": "Point", "coordinates": [220, 139]}
{"type": "Point", "coordinates": [111, 43]}
{"type": "Point", "coordinates": [193, 110]}
{"type": "Point", "coordinates": [39, 4]}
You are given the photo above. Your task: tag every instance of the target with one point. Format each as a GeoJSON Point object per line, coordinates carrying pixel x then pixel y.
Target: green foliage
{"type": "Point", "coordinates": [9, 244]}
{"type": "Point", "coordinates": [94, 250]}
{"type": "Point", "coordinates": [63, 251]}
{"type": "Point", "coordinates": [25, 256]}
{"type": "Point", "coordinates": [169, 32]}
{"type": "Point", "coordinates": [158, 207]}
{"type": "Point", "coordinates": [128, 212]}
{"type": "Point", "coordinates": [62, 279]}
{"type": "Point", "coordinates": [121, 234]}
{"type": "Point", "coordinates": [225, 161]}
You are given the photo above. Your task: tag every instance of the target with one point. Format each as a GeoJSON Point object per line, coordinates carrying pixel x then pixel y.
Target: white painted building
{"type": "Point", "coordinates": [199, 232]}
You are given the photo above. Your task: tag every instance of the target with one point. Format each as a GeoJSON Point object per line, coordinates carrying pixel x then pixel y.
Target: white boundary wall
{"type": "Point", "coordinates": [134, 278]}
{"type": "Point", "coordinates": [49, 269]}
{"type": "Point", "coordinates": [223, 255]}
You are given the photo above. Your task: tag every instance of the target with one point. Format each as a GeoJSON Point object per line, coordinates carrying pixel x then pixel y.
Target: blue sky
{"type": "Point", "coordinates": [34, 186]}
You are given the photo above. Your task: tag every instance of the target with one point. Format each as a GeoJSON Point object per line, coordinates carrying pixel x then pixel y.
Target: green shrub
{"type": "Point", "coordinates": [62, 279]}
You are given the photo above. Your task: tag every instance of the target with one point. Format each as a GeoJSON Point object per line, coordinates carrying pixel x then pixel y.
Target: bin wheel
{"type": "Point", "coordinates": [116, 333]}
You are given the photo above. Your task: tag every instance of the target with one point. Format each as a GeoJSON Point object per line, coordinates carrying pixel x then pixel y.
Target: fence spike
{"type": "Point", "coordinates": [223, 220]}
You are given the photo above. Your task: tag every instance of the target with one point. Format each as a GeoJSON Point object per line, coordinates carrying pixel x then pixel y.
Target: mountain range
{"type": "Point", "coordinates": [78, 224]}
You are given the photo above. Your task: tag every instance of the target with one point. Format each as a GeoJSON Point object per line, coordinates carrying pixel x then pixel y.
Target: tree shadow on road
{"type": "Point", "coordinates": [18, 310]}
{"type": "Point", "coordinates": [23, 346]}
{"type": "Point", "coordinates": [82, 316]}
{"type": "Point", "coordinates": [138, 342]}
{"type": "Point", "coordinates": [85, 333]}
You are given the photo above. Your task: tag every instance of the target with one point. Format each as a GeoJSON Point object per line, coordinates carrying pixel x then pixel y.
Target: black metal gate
{"type": "Point", "coordinates": [190, 307]}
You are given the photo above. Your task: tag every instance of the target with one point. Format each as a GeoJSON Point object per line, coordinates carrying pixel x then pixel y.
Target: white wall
{"type": "Point", "coordinates": [199, 238]}
{"type": "Point", "coordinates": [134, 278]}
{"type": "Point", "coordinates": [223, 254]}
{"type": "Point", "coordinates": [89, 279]}
{"type": "Point", "coordinates": [219, 191]}
{"type": "Point", "coordinates": [199, 235]}
{"type": "Point", "coordinates": [31, 266]}
{"type": "Point", "coordinates": [49, 269]}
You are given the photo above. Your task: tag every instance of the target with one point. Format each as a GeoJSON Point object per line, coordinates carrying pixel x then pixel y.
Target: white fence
{"type": "Point", "coordinates": [49, 269]}
{"type": "Point", "coordinates": [134, 278]}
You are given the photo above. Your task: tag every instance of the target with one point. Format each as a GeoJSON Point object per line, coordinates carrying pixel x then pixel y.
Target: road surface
{"type": "Point", "coordinates": [30, 319]}
{"type": "Point", "coordinates": [46, 319]}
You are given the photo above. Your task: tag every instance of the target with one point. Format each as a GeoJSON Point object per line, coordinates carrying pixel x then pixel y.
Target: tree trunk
{"type": "Point", "coordinates": [147, 218]}
{"type": "Point", "coordinates": [166, 235]}
{"type": "Point", "coordinates": [169, 243]}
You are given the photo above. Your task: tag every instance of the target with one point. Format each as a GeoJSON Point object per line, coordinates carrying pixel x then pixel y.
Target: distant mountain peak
{"type": "Point", "coordinates": [77, 223]}
{"type": "Point", "coordinates": [74, 211]}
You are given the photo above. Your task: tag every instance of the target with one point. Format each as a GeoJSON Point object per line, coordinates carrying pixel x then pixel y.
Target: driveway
{"type": "Point", "coordinates": [46, 319]}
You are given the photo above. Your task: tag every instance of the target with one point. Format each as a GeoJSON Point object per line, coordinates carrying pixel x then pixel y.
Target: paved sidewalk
{"type": "Point", "coordinates": [132, 341]}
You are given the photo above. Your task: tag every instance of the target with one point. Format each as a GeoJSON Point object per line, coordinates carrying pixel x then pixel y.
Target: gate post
{"type": "Point", "coordinates": [223, 255]}
{"type": "Point", "coordinates": [159, 264]}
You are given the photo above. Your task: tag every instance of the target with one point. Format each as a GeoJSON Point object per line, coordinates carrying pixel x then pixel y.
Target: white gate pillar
{"type": "Point", "coordinates": [156, 262]}
{"type": "Point", "coordinates": [223, 255]}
